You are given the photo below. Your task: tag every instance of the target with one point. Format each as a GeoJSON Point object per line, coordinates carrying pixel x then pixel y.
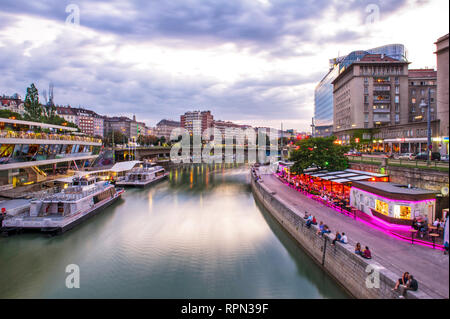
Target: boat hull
{"type": "Point", "coordinates": [141, 185]}
{"type": "Point", "coordinates": [62, 229]}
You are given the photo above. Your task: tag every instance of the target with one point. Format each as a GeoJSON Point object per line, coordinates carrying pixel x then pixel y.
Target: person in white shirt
{"type": "Point", "coordinates": [436, 223]}
{"type": "Point", "coordinates": [344, 239]}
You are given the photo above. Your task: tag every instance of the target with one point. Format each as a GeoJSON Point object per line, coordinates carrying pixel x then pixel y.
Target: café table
{"type": "Point", "coordinates": [412, 231]}
{"type": "Point", "coordinates": [433, 237]}
{"type": "Point", "coordinates": [432, 228]}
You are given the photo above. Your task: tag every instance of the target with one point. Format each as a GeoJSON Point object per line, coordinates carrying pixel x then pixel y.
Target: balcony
{"type": "Point", "coordinates": [382, 118]}
{"type": "Point", "coordinates": [382, 99]}
{"type": "Point", "coordinates": [381, 88]}
{"type": "Point", "coordinates": [385, 110]}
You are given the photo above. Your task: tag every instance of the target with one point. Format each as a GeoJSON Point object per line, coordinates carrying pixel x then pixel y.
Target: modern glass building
{"type": "Point", "coordinates": [30, 149]}
{"type": "Point", "coordinates": [323, 94]}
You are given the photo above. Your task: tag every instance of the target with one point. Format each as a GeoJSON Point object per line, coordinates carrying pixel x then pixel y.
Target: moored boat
{"type": "Point", "coordinates": [143, 176]}
{"type": "Point", "coordinates": [62, 211]}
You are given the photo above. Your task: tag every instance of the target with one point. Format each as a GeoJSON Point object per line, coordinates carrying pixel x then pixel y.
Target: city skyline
{"type": "Point", "coordinates": [244, 61]}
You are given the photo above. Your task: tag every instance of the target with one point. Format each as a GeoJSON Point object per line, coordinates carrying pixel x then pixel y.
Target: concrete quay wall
{"type": "Point", "coordinates": [351, 271]}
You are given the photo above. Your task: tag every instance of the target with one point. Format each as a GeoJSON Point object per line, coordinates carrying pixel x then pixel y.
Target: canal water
{"type": "Point", "coordinates": [199, 234]}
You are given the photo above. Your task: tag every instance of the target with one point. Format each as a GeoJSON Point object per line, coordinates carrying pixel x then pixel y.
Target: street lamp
{"type": "Point", "coordinates": [428, 106]}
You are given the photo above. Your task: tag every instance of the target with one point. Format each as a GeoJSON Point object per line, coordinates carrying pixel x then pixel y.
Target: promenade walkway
{"type": "Point", "coordinates": [430, 267]}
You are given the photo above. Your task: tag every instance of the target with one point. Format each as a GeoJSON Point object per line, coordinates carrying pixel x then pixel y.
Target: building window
{"type": "Point", "coordinates": [397, 99]}
{"type": "Point", "coordinates": [397, 89]}
{"type": "Point", "coordinates": [366, 117]}
{"type": "Point", "coordinates": [397, 118]}
{"type": "Point", "coordinates": [397, 107]}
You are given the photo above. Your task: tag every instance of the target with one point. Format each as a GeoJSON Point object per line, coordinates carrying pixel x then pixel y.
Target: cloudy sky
{"type": "Point", "coordinates": [250, 61]}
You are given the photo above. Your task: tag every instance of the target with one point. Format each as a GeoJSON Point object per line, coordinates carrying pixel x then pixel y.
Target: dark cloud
{"type": "Point", "coordinates": [110, 87]}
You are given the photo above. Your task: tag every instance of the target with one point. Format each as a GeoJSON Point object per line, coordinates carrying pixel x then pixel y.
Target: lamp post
{"type": "Point", "coordinates": [429, 145]}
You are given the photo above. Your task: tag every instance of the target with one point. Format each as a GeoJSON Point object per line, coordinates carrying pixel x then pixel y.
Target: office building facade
{"type": "Point", "coordinates": [323, 94]}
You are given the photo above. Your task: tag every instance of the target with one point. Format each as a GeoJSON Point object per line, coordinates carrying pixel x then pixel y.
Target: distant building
{"type": "Point", "coordinates": [12, 103]}
{"type": "Point", "coordinates": [323, 130]}
{"type": "Point", "coordinates": [98, 125]}
{"type": "Point", "coordinates": [89, 122]}
{"type": "Point", "coordinates": [165, 127]}
{"type": "Point", "coordinates": [129, 127]}
{"type": "Point", "coordinates": [442, 92]}
{"type": "Point", "coordinates": [67, 113]}
{"type": "Point", "coordinates": [196, 122]}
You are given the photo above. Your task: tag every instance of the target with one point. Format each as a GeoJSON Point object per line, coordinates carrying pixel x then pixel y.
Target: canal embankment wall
{"type": "Point", "coordinates": [355, 274]}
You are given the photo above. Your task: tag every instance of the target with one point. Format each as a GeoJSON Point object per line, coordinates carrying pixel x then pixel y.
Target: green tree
{"type": "Point", "coordinates": [320, 152]}
{"type": "Point", "coordinates": [119, 138]}
{"type": "Point", "coordinates": [33, 110]}
{"type": "Point", "coordinates": [8, 114]}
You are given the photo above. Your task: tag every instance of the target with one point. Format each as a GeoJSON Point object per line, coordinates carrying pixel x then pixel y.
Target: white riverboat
{"type": "Point", "coordinates": [62, 211]}
{"type": "Point", "coordinates": [143, 176]}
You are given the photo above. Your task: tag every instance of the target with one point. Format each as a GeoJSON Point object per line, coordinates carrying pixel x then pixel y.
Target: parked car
{"type": "Point", "coordinates": [354, 153]}
{"type": "Point", "coordinates": [435, 156]}
{"type": "Point", "coordinates": [444, 158]}
{"type": "Point", "coordinates": [406, 156]}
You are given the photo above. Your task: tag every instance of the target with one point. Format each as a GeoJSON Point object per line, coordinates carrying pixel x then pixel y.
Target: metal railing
{"type": "Point", "coordinates": [47, 136]}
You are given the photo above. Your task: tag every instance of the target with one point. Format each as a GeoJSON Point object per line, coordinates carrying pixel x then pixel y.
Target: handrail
{"type": "Point", "coordinates": [46, 136]}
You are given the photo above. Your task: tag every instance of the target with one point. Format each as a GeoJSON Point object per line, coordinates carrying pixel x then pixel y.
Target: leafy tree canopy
{"type": "Point", "coordinates": [8, 114]}
{"type": "Point", "coordinates": [320, 152]}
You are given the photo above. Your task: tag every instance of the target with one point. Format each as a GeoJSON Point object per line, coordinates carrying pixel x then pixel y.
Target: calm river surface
{"type": "Point", "coordinates": [199, 234]}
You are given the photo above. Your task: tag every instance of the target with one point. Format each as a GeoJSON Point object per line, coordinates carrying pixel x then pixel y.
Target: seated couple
{"type": "Point", "coordinates": [340, 238]}
{"type": "Point", "coordinates": [363, 253]}
{"type": "Point", "coordinates": [323, 229]}
{"type": "Point", "coordinates": [311, 220]}
{"type": "Point", "coordinates": [407, 282]}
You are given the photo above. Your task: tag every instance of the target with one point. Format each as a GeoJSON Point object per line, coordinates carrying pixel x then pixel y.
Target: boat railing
{"type": "Point", "coordinates": [74, 195]}
{"type": "Point", "coordinates": [47, 136]}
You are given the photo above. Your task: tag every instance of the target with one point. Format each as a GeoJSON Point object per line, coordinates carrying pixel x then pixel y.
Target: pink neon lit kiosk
{"type": "Point", "coordinates": [393, 203]}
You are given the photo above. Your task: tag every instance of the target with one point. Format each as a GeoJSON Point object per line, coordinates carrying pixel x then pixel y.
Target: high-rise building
{"type": "Point", "coordinates": [370, 93]}
{"type": "Point", "coordinates": [323, 94]}
{"type": "Point", "coordinates": [442, 92]}
{"type": "Point", "coordinates": [196, 122]}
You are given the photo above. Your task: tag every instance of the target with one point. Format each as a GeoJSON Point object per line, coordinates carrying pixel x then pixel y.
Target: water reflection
{"type": "Point", "coordinates": [198, 235]}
